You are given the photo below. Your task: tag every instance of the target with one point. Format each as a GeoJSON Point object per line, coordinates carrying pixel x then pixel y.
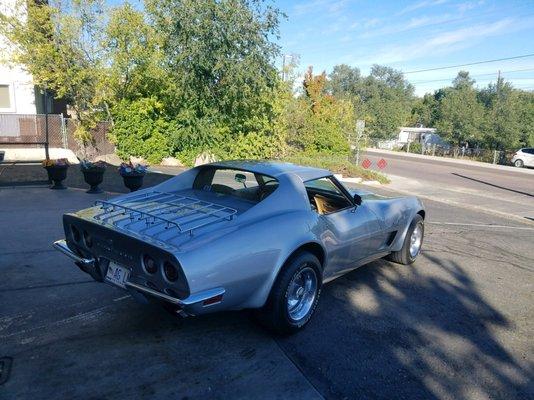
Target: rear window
{"type": "Point", "coordinates": [237, 183]}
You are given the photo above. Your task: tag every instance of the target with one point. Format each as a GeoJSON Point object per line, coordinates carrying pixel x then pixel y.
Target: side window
{"type": "Point", "coordinates": [325, 197]}
{"type": "Point", "coordinates": [529, 151]}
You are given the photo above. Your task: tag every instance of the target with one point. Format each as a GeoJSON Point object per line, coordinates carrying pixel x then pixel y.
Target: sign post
{"type": "Point", "coordinates": [355, 142]}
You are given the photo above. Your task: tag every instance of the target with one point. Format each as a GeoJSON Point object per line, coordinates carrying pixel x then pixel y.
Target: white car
{"type": "Point", "coordinates": [524, 157]}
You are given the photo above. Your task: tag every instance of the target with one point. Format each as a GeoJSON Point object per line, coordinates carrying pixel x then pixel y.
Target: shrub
{"type": "Point", "coordinates": [338, 165]}
{"type": "Point", "coordinates": [141, 130]}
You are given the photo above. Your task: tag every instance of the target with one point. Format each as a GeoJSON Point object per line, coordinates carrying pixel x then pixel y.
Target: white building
{"type": "Point", "coordinates": [409, 134]}
{"type": "Point", "coordinates": [17, 92]}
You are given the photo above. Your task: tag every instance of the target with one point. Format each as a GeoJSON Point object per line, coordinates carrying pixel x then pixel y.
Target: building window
{"type": "Point", "coordinates": [5, 97]}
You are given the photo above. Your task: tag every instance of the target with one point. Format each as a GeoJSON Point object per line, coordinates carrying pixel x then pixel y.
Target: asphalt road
{"type": "Point", "coordinates": [457, 324]}
{"type": "Point", "coordinates": [505, 190]}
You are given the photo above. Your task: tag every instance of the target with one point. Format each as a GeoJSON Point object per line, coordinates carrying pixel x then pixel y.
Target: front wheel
{"type": "Point", "coordinates": [519, 163]}
{"type": "Point", "coordinates": [294, 295]}
{"type": "Point", "coordinates": [412, 243]}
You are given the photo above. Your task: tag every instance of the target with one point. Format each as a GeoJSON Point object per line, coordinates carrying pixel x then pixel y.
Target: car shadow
{"type": "Point", "coordinates": [493, 185]}
{"type": "Point", "coordinates": [391, 332]}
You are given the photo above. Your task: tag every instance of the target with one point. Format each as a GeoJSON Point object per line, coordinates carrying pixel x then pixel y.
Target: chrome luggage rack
{"type": "Point", "coordinates": [159, 209]}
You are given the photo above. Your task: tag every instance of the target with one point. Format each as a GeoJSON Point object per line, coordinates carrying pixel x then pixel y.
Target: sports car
{"type": "Point", "coordinates": [235, 235]}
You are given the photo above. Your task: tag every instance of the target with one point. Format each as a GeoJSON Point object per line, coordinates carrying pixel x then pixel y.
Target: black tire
{"type": "Point", "coordinates": [519, 163]}
{"type": "Point", "coordinates": [275, 315]}
{"type": "Point", "coordinates": [403, 256]}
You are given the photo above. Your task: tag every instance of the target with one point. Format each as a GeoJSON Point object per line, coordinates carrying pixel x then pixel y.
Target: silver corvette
{"type": "Point", "coordinates": [241, 234]}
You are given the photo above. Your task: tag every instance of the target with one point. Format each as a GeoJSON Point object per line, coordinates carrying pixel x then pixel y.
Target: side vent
{"type": "Point", "coordinates": [391, 238]}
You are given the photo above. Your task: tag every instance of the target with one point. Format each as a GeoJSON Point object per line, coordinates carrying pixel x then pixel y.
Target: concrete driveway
{"type": "Point", "coordinates": [457, 324]}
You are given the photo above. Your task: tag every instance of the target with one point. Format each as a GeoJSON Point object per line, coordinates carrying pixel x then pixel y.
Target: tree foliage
{"type": "Point", "coordinates": [383, 99]}
{"type": "Point", "coordinates": [180, 77]}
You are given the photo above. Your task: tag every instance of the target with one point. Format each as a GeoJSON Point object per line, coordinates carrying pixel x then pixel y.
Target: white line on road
{"type": "Point", "coordinates": [482, 225]}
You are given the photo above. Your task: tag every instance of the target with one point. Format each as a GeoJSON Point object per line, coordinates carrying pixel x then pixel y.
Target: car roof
{"type": "Point", "coordinates": [274, 168]}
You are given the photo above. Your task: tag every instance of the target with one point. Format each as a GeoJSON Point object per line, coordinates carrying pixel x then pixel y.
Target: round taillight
{"type": "Point", "coordinates": [87, 239]}
{"type": "Point", "coordinates": [75, 233]}
{"type": "Point", "coordinates": [149, 264]}
{"type": "Point", "coordinates": [171, 273]}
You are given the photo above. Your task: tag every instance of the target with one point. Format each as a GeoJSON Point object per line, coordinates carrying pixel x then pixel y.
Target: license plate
{"type": "Point", "coordinates": [117, 275]}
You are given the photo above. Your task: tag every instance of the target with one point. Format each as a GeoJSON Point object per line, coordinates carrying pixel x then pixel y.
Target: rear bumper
{"type": "Point", "coordinates": [61, 245]}
{"type": "Point", "coordinates": [193, 304]}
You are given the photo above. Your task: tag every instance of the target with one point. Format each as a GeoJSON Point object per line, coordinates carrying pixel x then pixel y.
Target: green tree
{"type": "Point", "coordinates": [59, 46]}
{"type": "Point", "coordinates": [383, 99]}
{"type": "Point", "coordinates": [316, 121]}
{"type": "Point", "coordinates": [220, 56]}
{"type": "Point", "coordinates": [460, 116]}
{"type": "Point", "coordinates": [132, 50]}
{"type": "Point", "coordinates": [526, 118]}
{"type": "Point", "coordinates": [344, 81]}
{"type": "Point", "coordinates": [503, 126]}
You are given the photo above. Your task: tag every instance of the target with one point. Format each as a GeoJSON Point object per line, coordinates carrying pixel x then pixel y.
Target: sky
{"type": "Point", "coordinates": [413, 35]}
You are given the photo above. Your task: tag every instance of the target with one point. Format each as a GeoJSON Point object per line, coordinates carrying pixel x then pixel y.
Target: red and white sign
{"type": "Point", "coordinates": [382, 163]}
{"type": "Point", "coordinates": [366, 163]}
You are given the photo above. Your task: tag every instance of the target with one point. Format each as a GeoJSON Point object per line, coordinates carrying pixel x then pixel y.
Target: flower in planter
{"type": "Point", "coordinates": [86, 165]}
{"type": "Point", "coordinates": [57, 171]}
{"type": "Point", "coordinates": [60, 162]}
{"type": "Point", "coordinates": [128, 169]}
{"type": "Point", "coordinates": [93, 174]}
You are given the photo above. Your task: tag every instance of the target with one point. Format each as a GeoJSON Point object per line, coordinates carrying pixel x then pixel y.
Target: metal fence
{"type": "Point", "coordinates": [29, 130]}
{"type": "Point", "coordinates": [493, 156]}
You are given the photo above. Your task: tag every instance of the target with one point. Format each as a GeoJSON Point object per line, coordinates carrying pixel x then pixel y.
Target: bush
{"type": "Point", "coordinates": [141, 130]}
{"type": "Point", "coordinates": [415, 147]}
{"type": "Point", "coordinates": [338, 165]}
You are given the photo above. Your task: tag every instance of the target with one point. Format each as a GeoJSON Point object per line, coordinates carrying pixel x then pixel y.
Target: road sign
{"type": "Point", "coordinates": [366, 163]}
{"type": "Point", "coordinates": [382, 163]}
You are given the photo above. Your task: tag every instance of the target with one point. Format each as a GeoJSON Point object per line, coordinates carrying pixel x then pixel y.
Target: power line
{"type": "Point", "coordinates": [473, 76]}
{"type": "Point", "coordinates": [466, 65]}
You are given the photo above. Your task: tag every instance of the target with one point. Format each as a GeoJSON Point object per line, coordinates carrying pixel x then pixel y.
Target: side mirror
{"type": "Point", "coordinates": [357, 199]}
{"type": "Point", "coordinates": [241, 178]}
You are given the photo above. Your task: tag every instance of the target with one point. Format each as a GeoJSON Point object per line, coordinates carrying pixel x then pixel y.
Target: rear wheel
{"type": "Point", "coordinates": [519, 163]}
{"type": "Point", "coordinates": [412, 243]}
{"type": "Point", "coordinates": [294, 295]}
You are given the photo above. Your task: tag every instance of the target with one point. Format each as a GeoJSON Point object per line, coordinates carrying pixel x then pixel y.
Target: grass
{"type": "Point", "coordinates": [338, 165]}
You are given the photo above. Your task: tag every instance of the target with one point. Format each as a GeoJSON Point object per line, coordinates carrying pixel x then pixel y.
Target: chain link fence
{"type": "Point", "coordinates": [502, 157]}
{"type": "Point", "coordinates": [29, 130]}
{"type": "Point", "coordinates": [99, 145]}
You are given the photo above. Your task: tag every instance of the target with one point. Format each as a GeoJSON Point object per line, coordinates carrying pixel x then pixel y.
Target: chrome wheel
{"type": "Point", "coordinates": [301, 293]}
{"type": "Point", "coordinates": [518, 163]}
{"type": "Point", "coordinates": [415, 240]}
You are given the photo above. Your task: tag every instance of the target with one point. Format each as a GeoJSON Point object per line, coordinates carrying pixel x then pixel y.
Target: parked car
{"type": "Point", "coordinates": [241, 235]}
{"type": "Point", "coordinates": [524, 157]}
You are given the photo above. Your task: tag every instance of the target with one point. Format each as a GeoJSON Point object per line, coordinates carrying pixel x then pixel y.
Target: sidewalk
{"type": "Point", "coordinates": [450, 160]}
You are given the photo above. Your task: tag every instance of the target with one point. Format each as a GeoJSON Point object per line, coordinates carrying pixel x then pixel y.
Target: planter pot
{"type": "Point", "coordinates": [94, 177]}
{"type": "Point", "coordinates": [57, 174]}
{"type": "Point", "coordinates": [133, 182]}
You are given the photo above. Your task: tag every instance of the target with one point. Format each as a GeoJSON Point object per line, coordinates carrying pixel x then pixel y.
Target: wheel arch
{"type": "Point", "coordinates": [309, 245]}
{"type": "Point", "coordinates": [312, 247]}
